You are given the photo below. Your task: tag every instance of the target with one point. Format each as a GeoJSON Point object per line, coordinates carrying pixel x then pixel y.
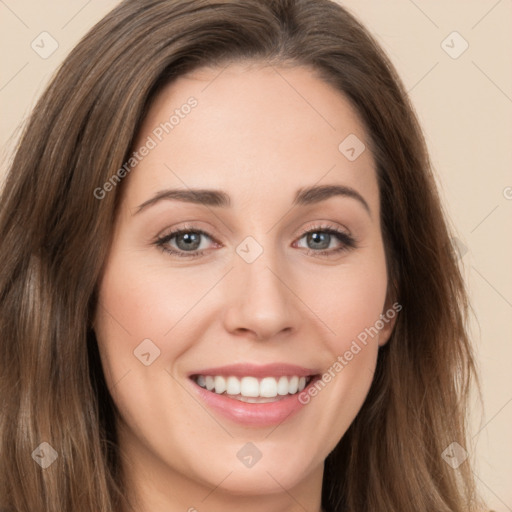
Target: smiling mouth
{"type": "Point", "coordinates": [252, 389]}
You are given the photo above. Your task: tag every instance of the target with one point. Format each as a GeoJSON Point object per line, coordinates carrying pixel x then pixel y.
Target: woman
{"type": "Point", "coordinates": [308, 353]}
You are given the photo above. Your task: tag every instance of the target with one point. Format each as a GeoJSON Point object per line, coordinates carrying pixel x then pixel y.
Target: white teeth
{"type": "Point", "coordinates": [282, 386]}
{"type": "Point", "coordinates": [268, 387]}
{"type": "Point", "coordinates": [220, 384]}
{"type": "Point", "coordinates": [210, 382]}
{"type": "Point", "coordinates": [251, 387]}
{"type": "Point", "coordinates": [233, 386]}
{"type": "Point", "coordinates": [293, 385]}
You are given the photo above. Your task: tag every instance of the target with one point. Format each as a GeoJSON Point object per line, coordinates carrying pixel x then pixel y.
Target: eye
{"type": "Point", "coordinates": [319, 240]}
{"type": "Point", "coordinates": [185, 242]}
{"type": "Point", "coordinates": [190, 242]}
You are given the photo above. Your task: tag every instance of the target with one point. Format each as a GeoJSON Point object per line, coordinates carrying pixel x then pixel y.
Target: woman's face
{"type": "Point", "coordinates": [258, 294]}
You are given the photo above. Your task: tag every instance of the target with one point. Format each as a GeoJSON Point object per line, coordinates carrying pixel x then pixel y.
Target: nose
{"type": "Point", "coordinates": [261, 302]}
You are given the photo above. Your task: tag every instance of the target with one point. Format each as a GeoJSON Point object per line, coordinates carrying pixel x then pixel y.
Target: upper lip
{"type": "Point", "coordinates": [253, 370]}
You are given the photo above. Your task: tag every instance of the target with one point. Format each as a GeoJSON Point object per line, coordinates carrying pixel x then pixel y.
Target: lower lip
{"type": "Point", "coordinates": [251, 414]}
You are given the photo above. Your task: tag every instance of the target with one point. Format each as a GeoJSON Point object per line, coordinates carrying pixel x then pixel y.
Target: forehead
{"type": "Point", "coordinates": [257, 130]}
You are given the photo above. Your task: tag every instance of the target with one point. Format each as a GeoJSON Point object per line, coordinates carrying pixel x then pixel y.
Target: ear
{"type": "Point", "coordinates": [388, 317]}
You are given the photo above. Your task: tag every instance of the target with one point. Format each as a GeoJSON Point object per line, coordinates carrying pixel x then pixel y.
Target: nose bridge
{"type": "Point", "coordinates": [260, 300]}
{"type": "Point", "coordinates": [262, 280]}
{"type": "Point", "coordinates": [259, 269]}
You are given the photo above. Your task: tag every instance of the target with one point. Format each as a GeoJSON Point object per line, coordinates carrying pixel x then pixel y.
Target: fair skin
{"type": "Point", "coordinates": [254, 137]}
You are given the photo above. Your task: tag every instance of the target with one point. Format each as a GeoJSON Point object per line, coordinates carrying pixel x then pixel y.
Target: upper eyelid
{"type": "Point", "coordinates": [325, 225]}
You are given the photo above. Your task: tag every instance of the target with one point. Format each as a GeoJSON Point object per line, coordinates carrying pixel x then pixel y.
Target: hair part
{"type": "Point", "coordinates": [56, 235]}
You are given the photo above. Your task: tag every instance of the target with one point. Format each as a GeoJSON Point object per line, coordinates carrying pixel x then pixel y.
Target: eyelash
{"type": "Point", "coordinates": [347, 241]}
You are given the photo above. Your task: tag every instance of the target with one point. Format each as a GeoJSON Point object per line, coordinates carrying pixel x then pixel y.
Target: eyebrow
{"type": "Point", "coordinates": [303, 196]}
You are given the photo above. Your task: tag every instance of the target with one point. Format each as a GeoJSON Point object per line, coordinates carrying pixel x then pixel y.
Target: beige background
{"type": "Point", "coordinates": [465, 107]}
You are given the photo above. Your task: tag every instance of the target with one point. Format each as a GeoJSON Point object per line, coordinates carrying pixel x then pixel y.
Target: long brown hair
{"type": "Point", "coordinates": [55, 236]}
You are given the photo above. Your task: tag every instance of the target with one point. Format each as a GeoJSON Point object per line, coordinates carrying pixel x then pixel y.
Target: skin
{"type": "Point", "coordinates": [258, 133]}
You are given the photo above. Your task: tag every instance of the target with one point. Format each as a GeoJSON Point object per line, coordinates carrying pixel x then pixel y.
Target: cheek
{"type": "Point", "coordinates": [348, 299]}
{"type": "Point", "coordinates": [138, 301]}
